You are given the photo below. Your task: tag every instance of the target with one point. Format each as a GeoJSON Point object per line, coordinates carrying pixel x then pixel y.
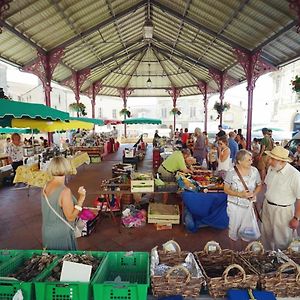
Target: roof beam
{"type": "Point", "coordinates": [179, 66]}
{"type": "Point", "coordinates": [163, 67]}
{"type": "Point", "coordinates": [138, 62]}
{"type": "Point", "coordinates": [193, 60]}
{"type": "Point", "coordinates": [22, 36]}
{"type": "Point", "coordinates": [99, 26]}
{"type": "Point", "coordinates": [276, 35]}
{"type": "Point", "coordinates": [110, 58]}
{"type": "Point", "coordinates": [118, 66]}
{"type": "Point", "coordinates": [199, 26]}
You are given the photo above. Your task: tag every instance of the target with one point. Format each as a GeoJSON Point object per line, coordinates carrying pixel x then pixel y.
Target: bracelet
{"type": "Point", "coordinates": [78, 207]}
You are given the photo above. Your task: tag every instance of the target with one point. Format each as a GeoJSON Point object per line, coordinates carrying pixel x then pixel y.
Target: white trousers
{"type": "Point", "coordinates": [275, 231]}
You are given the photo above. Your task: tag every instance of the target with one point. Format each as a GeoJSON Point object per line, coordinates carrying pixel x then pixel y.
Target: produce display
{"type": "Point", "coordinates": [81, 259]}
{"type": "Point", "coordinates": [209, 181]}
{"type": "Point", "coordinates": [33, 267]}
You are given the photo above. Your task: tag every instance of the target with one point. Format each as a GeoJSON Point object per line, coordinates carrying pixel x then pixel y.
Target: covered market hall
{"type": "Point", "coordinates": [92, 206]}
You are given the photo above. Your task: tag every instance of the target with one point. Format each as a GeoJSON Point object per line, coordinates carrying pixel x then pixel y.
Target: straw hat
{"type": "Point", "coordinates": [279, 153]}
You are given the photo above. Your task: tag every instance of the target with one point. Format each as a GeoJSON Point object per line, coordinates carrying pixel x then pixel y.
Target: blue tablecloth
{"type": "Point", "coordinates": [205, 209]}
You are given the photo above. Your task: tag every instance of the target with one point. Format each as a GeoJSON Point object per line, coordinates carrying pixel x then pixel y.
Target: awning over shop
{"type": "Point", "coordinates": [89, 120]}
{"type": "Point", "coordinates": [17, 130]}
{"type": "Point", "coordinates": [10, 109]}
{"type": "Point", "coordinates": [51, 126]}
{"type": "Point", "coordinates": [142, 121]}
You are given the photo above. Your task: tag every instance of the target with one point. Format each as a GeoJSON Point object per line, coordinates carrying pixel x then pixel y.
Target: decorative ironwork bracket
{"type": "Point", "coordinates": [124, 94]}
{"type": "Point", "coordinates": [295, 6]}
{"type": "Point", "coordinates": [253, 66]}
{"type": "Point", "coordinates": [76, 81]}
{"type": "Point", "coordinates": [174, 92]}
{"type": "Point", "coordinates": [4, 7]}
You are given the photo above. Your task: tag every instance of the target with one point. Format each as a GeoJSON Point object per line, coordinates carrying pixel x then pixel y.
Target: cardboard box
{"type": "Point", "coordinates": [163, 213]}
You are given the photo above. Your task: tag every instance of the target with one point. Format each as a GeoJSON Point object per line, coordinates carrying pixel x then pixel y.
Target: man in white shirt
{"type": "Point", "coordinates": [114, 133]}
{"type": "Point", "coordinates": [281, 207]}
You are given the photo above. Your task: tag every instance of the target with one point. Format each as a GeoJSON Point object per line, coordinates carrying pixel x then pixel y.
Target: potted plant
{"type": "Point", "coordinates": [79, 108]}
{"type": "Point", "coordinates": [296, 84]}
{"type": "Point", "coordinates": [220, 108]}
{"type": "Point", "coordinates": [125, 112]}
{"type": "Point", "coordinates": [175, 111]}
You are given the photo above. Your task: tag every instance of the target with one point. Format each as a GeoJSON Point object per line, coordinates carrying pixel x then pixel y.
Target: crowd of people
{"type": "Point", "coordinates": [266, 166]}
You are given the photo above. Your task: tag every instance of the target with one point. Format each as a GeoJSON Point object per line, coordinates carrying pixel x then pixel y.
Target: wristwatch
{"type": "Point", "coordinates": [296, 218]}
{"type": "Point", "coordinates": [78, 207]}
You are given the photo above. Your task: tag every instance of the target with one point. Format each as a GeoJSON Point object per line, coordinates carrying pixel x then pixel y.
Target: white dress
{"type": "Point", "coordinates": [226, 164]}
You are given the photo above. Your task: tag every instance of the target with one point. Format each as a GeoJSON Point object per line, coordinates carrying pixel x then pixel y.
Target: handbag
{"type": "Point", "coordinates": [79, 224]}
{"type": "Point", "coordinates": [246, 188]}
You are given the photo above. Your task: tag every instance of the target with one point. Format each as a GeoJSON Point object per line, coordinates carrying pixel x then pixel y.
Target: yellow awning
{"type": "Point", "coordinates": [51, 126]}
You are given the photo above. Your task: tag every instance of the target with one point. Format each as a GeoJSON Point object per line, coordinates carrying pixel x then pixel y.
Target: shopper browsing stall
{"type": "Point", "coordinates": [60, 208]}
{"type": "Point", "coordinates": [281, 207]}
{"type": "Point", "coordinates": [240, 197]}
{"type": "Point", "coordinates": [224, 161]}
{"type": "Point", "coordinates": [15, 151]}
{"type": "Point", "coordinates": [177, 161]}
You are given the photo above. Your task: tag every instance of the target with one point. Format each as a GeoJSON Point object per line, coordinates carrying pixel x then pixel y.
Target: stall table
{"type": "Point", "coordinates": [91, 151]}
{"type": "Point", "coordinates": [31, 175]}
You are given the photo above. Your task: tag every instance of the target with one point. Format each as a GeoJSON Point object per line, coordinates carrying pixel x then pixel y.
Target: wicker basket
{"type": "Point", "coordinates": [213, 259]}
{"type": "Point", "coordinates": [280, 283]}
{"type": "Point", "coordinates": [177, 280]}
{"type": "Point", "coordinates": [172, 258]}
{"type": "Point", "coordinates": [293, 251]}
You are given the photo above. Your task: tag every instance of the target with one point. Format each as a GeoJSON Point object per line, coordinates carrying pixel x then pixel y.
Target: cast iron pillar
{"type": "Point", "coordinates": [92, 92]}
{"type": "Point", "coordinates": [253, 68]}
{"type": "Point", "coordinates": [43, 67]}
{"type": "Point", "coordinates": [124, 94]}
{"type": "Point", "coordinates": [202, 86]}
{"type": "Point", "coordinates": [219, 78]}
{"type": "Point", "coordinates": [174, 92]}
{"type": "Point", "coordinates": [76, 81]}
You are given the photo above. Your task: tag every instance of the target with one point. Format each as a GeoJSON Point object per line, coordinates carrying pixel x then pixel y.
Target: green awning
{"type": "Point", "coordinates": [10, 109]}
{"type": "Point", "coordinates": [142, 121]}
{"type": "Point", "coordinates": [89, 120]}
{"type": "Point", "coordinates": [17, 130]}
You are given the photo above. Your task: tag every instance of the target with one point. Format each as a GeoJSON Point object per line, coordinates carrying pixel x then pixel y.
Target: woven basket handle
{"type": "Point", "coordinates": [286, 266]}
{"type": "Point", "coordinates": [179, 267]}
{"type": "Point", "coordinates": [255, 244]}
{"type": "Point", "coordinates": [214, 244]}
{"type": "Point", "coordinates": [233, 266]}
{"type": "Point", "coordinates": [293, 244]}
{"type": "Point", "coordinates": [178, 250]}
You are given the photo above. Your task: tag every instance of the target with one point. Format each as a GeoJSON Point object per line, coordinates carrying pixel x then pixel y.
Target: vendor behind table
{"type": "Point", "coordinates": [177, 161]}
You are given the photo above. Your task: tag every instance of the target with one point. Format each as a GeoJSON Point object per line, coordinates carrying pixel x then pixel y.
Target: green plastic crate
{"type": "Point", "coordinates": [55, 290]}
{"type": "Point", "coordinates": [6, 255]}
{"type": "Point", "coordinates": [133, 269]}
{"type": "Point", "coordinates": [9, 287]}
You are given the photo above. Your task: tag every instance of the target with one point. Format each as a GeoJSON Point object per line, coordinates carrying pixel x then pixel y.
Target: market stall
{"type": "Point", "coordinates": [33, 176]}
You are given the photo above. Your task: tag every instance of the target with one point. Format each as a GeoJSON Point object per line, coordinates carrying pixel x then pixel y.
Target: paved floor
{"type": "Point", "coordinates": [20, 221]}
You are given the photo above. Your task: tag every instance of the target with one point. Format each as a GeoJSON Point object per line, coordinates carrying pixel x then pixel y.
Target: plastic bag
{"type": "Point", "coordinates": [249, 230]}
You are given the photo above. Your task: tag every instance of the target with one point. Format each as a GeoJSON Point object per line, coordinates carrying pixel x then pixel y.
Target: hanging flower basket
{"type": "Point", "coordinates": [125, 112]}
{"type": "Point", "coordinates": [78, 107]}
{"type": "Point", "coordinates": [296, 84]}
{"type": "Point", "coordinates": [175, 111]}
{"type": "Point", "coordinates": [220, 108]}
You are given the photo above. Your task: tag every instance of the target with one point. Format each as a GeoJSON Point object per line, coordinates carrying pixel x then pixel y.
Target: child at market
{"type": "Point", "coordinates": [213, 158]}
